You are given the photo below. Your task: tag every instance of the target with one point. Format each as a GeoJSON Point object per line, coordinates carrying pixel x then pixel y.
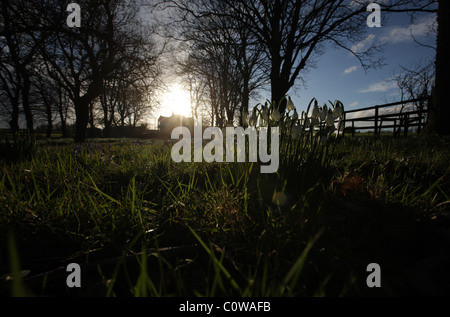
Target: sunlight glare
{"type": "Point", "coordinates": [176, 101]}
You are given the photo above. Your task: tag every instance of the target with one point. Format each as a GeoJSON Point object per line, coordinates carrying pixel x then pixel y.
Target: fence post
{"type": "Point", "coordinates": [401, 121]}
{"type": "Point", "coordinates": [419, 129]}
{"type": "Point", "coordinates": [376, 120]}
{"type": "Point", "coordinates": [406, 125]}
{"type": "Point", "coordinates": [343, 122]}
{"type": "Point", "coordinates": [395, 128]}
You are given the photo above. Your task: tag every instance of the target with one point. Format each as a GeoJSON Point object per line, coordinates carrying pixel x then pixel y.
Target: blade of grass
{"type": "Point", "coordinates": [217, 262]}
{"type": "Point", "coordinates": [291, 278]}
{"type": "Point", "coordinates": [100, 192]}
{"type": "Point", "coordinates": [18, 288]}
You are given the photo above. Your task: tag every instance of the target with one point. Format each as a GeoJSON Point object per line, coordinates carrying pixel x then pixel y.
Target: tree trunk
{"type": "Point", "coordinates": [14, 123]}
{"type": "Point", "coordinates": [107, 123]}
{"type": "Point", "coordinates": [439, 110]}
{"type": "Point", "coordinates": [83, 106]}
{"type": "Point", "coordinates": [62, 118]}
{"type": "Point", "coordinates": [279, 81]}
{"type": "Point", "coordinates": [49, 121]}
{"type": "Point", "coordinates": [279, 91]}
{"type": "Point", "coordinates": [63, 127]}
{"type": "Point", "coordinates": [279, 85]}
{"type": "Point", "coordinates": [91, 115]}
{"type": "Point", "coordinates": [26, 101]}
{"type": "Point", "coordinates": [82, 115]}
{"type": "Point", "coordinates": [245, 101]}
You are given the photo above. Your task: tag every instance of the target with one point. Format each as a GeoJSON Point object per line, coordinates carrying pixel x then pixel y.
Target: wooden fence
{"type": "Point", "coordinates": [413, 113]}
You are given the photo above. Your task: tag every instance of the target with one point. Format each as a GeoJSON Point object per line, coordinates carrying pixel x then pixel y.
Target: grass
{"type": "Point", "coordinates": [141, 225]}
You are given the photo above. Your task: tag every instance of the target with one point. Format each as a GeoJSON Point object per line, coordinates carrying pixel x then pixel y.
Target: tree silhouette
{"type": "Point", "coordinates": [80, 59]}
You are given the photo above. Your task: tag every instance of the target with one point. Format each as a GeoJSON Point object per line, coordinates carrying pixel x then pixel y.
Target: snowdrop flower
{"type": "Point", "coordinates": [295, 115]}
{"type": "Point", "coordinates": [275, 115]}
{"type": "Point", "coordinates": [253, 118]}
{"type": "Point", "coordinates": [323, 113]}
{"type": "Point", "coordinates": [265, 113]}
{"type": "Point", "coordinates": [290, 104]}
{"type": "Point", "coordinates": [307, 122]}
{"type": "Point", "coordinates": [338, 111]}
{"type": "Point", "coordinates": [330, 118]}
{"type": "Point", "coordinates": [341, 126]}
{"type": "Point", "coordinates": [287, 122]}
{"type": "Point", "coordinates": [315, 111]}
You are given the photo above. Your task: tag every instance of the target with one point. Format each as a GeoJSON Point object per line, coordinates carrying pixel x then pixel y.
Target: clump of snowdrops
{"type": "Point", "coordinates": [321, 124]}
{"type": "Point", "coordinates": [305, 138]}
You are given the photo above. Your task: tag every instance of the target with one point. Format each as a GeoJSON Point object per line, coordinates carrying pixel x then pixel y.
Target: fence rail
{"type": "Point", "coordinates": [396, 121]}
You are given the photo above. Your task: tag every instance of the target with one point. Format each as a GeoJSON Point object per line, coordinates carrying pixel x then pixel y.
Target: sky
{"type": "Point", "coordinates": [338, 74]}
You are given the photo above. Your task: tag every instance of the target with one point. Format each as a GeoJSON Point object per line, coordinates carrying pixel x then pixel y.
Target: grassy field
{"type": "Point", "coordinates": [142, 225]}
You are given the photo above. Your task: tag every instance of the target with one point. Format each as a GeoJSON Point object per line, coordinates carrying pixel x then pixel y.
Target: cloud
{"type": "Point", "coordinates": [399, 34]}
{"type": "Point", "coordinates": [358, 4]}
{"type": "Point", "coordinates": [350, 70]}
{"type": "Point", "coordinates": [362, 45]}
{"type": "Point", "coordinates": [381, 86]}
{"type": "Point", "coordinates": [353, 104]}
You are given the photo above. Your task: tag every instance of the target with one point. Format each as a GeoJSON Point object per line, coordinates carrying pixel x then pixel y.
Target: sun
{"type": "Point", "coordinates": [176, 101]}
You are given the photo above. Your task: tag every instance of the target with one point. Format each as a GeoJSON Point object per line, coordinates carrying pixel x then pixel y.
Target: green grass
{"type": "Point", "coordinates": [141, 225]}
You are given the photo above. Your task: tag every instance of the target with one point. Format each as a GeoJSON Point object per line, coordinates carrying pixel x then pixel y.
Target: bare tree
{"type": "Point", "coordinates": [63, 104]}
{"type": "Point", "coordinates": [188, 70]}
{"type": "Point", "coordinates": [225, 57]}
{"type": "Point", "coordinates": [10, 89]}
{"type": "Point", "coordinates": [416, 80]}
{"type": "Point", "coordinates": [129, 93]}
{"type": "Point", "coordinates": [83, 58]}
{"type": "Point", "coordinates": [439, 111]}
{"type": "Point", "coordinates": [109, 98]}
{"type": "Point", "coordinates": [293, 33]}
{"type": "Point", "coordinates": [46, 107]}
{"type": "Point", "coordinates": [22, 51]}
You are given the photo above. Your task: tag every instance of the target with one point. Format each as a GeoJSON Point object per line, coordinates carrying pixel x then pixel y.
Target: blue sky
{"type": "Point", "coordinates": [339, 75]}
